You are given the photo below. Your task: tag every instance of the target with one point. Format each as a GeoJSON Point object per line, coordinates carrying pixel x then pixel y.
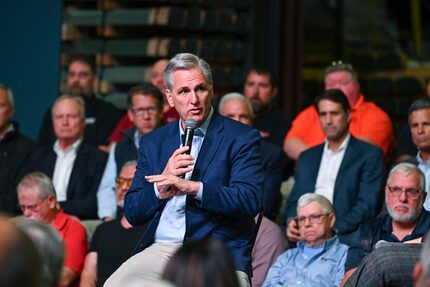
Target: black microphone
{"type": "Point", "coordinates": [190, 126]}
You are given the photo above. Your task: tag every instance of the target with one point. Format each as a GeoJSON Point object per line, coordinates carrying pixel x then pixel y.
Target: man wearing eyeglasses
{"type": "Point", "coordinates": [406, 221]}
{"type": "Point", "coordinates": [368, 122]}
{"type": "Point", "coordinates": [37, 200]}
{"type": "Point", "coordinates": [145, 112]}
{"type": "Point", "coordinates": [319, 258]}
{"type": "Point", "coordinates": [113, 242]}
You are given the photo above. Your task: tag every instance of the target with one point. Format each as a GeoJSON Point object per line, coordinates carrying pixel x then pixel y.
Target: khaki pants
{"type": "Point", "coordinates": [146, 267]}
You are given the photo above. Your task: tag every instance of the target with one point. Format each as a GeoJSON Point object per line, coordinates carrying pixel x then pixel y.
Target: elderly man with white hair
{"type": "Point", "coordinates": [319, 258]}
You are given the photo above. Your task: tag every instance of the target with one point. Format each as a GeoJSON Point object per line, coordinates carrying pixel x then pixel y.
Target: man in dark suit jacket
{"type": "Point", "coordinates": [352, 182]}
{"type": "Point", "coordinates": [237, 107]}
{"type": "Point", "coordinates": [75, 167]}
{"type": "Point", "coordinates": [220, 194]}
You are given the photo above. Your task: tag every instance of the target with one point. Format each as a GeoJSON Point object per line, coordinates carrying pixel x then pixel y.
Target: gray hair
{"type": "Point", "coordinates": [186, 61]}
{"type": "Point", "coordinates": [308, 198]}
{"type": "Point", "coordinates": [49, 246]}
{"type": "Point", "coordinates": [43, 183]}
{"type": "Point", "coordinates": [420, 104]}
{"type": "Point", "coordinates": [405, 169]}
{"type": "Point", "coordinates": [235, 96]}
{"type": "Point", "coordinates": [78, 100]}
{"type": "Point", "coordinates": [9, 95]}
{"type": "Point", "coordinates": [425, 254]}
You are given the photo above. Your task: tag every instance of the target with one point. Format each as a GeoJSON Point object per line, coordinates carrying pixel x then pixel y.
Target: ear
{"type": "Point", "coordinates": [274, 92]}
{"type": "Point", "coordinates": [52, 201]}
{"type": "Point", "coordinates": [332, 219]}
{"type": "Point", "coordinates": [130, 115]}
{"type": "Point", "coordinates": [169, 97]}
{"type": "Point", "coordinates": [418, 270]}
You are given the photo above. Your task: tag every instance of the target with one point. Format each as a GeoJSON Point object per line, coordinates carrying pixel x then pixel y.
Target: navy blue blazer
{"type": "Point", "coordinates": [358, 188]}
{"type": "Point", "coordinates": [228, 165]}
{"type": "Point", "coordinates": [84, 180]}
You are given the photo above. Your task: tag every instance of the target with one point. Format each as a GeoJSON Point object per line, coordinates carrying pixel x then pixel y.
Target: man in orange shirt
{"type": "Point", "coordinates": [368, 122]}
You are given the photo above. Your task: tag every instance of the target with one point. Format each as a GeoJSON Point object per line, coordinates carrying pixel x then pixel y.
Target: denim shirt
{"type": "Point", "coordinates": [295, 268]}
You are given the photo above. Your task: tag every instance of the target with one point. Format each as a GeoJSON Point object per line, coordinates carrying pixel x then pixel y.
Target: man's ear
{"type": "Point", "coordinates": [169, 97]}
{"type": "Point", "coordinates": [332, 219]}
{"type": "Point", "coordinates": [274, 92]}
{"type": "Point", "coordinates": [418, 270]}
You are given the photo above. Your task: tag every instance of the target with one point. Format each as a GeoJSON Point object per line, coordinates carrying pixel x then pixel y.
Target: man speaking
{"type": "Point", "coordinates": [220, 193]}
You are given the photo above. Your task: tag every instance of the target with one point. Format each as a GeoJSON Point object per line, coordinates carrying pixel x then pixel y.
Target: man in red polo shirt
{"type": "Point", "coordinates": [37, 199]}
{"type": "Point", "coordinates": [368, 122]}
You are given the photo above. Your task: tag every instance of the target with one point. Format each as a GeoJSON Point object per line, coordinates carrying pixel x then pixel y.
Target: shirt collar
{"type": "Point", "coordinates": [358, 103]}
{"type": "Point", "coordinates": [10, 129]}
{"type": "Point", "coordinates": [203, 127]}
{"type": "Point", "coordinates": [341, 147]}
{"type": "Point", "coordinates": [326, 245]}
{"type": "Point", "coordinates": [74, 147]}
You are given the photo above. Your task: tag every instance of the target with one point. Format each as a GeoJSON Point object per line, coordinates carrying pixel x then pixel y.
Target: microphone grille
{"type": "Point", "coordinates": [190, 124]}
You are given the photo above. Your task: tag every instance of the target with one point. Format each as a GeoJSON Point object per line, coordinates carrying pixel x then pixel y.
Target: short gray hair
{"type": "Point", "coordinates": [43, 183]}
{"type": "Point", "coordinates": [186, 61]}
{"type": "Point", "coordinates": [405, 169]}
{"type": "Point", "coordinates": [9, 95]}
{"type": "Point", "coordinates": [235, 96]}
{"type": "Point", "coordinates": [308, 198]}
{"type": "Point", "coordinates": [50, 247]}
{"type": "Point", "coordinates": [129, 163]}
{"type": "Point", "coordinates": [78, 100]}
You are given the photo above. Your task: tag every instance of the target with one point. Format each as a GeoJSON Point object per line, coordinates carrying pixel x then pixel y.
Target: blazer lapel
{"type": "Point", "coordinates": [209, 147]}
{"type": "Point", "coordinates": [77, 170]}
{"type": "Point", "coordinates": [169, 145]}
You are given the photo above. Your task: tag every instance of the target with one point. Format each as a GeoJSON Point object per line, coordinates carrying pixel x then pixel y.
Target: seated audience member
{"type": "Point", "coordinates": [201, 263]}
{"type": "Point", "coordinates": [347, 171]}
{"type": "Point", "coordinates": [406, 148]}
{"type": "Point", "coordinates": [113, 242]}
{"type": "Point", "coordinates": [269, 244]}
{"type": "Point", "coordinates": [422, 268]}
{"type": "Point", "coordinates": [101, 117]}
{"type": "Point", "coordinates": [145, 105]}
{"type": "Point", "coordinates": [391, 265]}
{"type": "Point", "coordinates": [319, 258]}
{"type": "Point", "coordinates": [15, 148]}
{"type": "Point", "coordinates": [20, 263]}
{"type": "Point", "coordinates": [75, 167]}
{"type": "Point", "coordinates": [260, 89]}
{"type": "Point", "coordinates": [419, 123]}
{"type": "Point", "coordinates": [50, 248]}
{"type": "Point", "coordinates": [169, 113]}
{"type": "Point", "coordinates": [368, 122]}
{"type": "Point", "coordinates": [405, 222]}
{"type": "Point", "coordinates": [237, 107]}
{"type": "Point", "coordinates": [38, 201]}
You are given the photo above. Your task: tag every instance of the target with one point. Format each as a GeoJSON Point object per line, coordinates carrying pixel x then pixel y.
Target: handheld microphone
{"type": "Point", "coordinates": [190, 126]}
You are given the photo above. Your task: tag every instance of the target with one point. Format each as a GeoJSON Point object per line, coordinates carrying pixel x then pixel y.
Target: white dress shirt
{"type": "Point", "coordinates": [63, 168]}
{"type": "Point", "coordinates": [171, 228]}
{"type": "Point", "coordinates": [329, 168]}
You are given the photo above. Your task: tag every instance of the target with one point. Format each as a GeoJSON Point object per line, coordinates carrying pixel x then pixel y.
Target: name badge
{"type": "Point", "coordinates": [90, 121]}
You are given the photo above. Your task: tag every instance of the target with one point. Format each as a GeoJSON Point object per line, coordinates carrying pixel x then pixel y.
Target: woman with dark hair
{"type": "Point", "coordinates": [201, 263]}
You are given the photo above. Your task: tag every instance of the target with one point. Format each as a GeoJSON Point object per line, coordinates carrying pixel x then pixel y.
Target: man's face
{"type": "Point", "coordinates": [123, 183]}
{"type": "Point", "coordinates": [80, 80]}
{"type": "Point", "coordinates": [145, 113]}
{"type": "Point", "coordinates": [32, 206]}
{"type": "Point", "coordinates": [419, 123]}
{"type": "Point", "coordinates": [259, 91]}
{"type": "Point", "coordinates": [6, 110]}
{"type": "Point", "coordinates": [157, 75]}
{"type": "Point", "coordinates": [334, 120]}
{"type": "Point", "coordinates": [68, 125]}
{"type": "Point", "coordinates": [316, 232]}
{"type": "Point", "coordinates": [190, 95]}
{"type": "Point", "coordinates": [403, 207]}
{"type": "Point", "coordinates": [238, 111]}
{"type": "Point", "coordinates": [341, 80]}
